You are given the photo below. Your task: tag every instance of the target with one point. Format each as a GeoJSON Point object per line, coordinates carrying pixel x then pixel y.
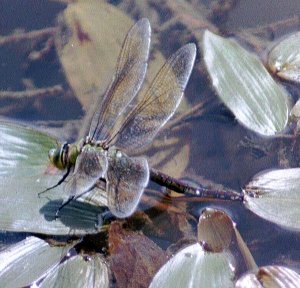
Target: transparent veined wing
{"type": "Point", "coordinates": [160, 101]}
{"type": "Point", "coordinates": [129, 76]}
{"type": "Point", "coordinates": [127, 178]}
{"type": "Point", "coordinates": [90, 166]}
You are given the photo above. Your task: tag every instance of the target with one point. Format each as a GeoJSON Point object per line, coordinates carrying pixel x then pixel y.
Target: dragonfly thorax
{"type": "Point", "coordinates": [64, 155]}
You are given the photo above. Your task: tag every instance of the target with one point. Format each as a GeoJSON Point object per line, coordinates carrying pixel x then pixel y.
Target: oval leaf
{"type": "Point", "coordinates": [88, 42]}
{"type": "Point", "coordinates": [79, 271]}
{"type": "Point", "coordinates": [284, 58]}
{"type": "Point", "coordinates": [193, 267]}
{"type": "Point", "coordinates": [217, 233]}
{"type": "Point", "coordinates": [24, 172]}
{"type": "Point", "coordinates": [275, 196]}
{"type": "Point", "coordinates": [215, 230]}
{"type": "Point", "coordinates": [26, 261]}
{"type": "Point", "coordinates": [245, 86]}
{"type": "Point", "coordinates": [270, 277]}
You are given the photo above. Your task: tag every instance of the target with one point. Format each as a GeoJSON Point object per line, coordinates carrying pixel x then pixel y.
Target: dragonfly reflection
{"type": "Point", "coordinates": [125, 123]}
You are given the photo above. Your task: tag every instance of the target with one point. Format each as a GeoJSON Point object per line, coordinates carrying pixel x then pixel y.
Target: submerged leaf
{"type": "Point", "coordinates": [245, 86]}
{"type": "Point", "coordinates": [270, 277]}
{"type": "Point", "coordinates": [79, 271]}
{"type": "Point", "coordinates": [25, 262]}
{"type": "Point", "coordinates": [275, 196]}
{"type": "Point", "coordinates": [88, 42]}
{"type": "Point", "coordinates": [25, 172]}
{"type": "Point", "coordinates": [134, 257]}
{"type": "Point", "coordinates": [284, 58]}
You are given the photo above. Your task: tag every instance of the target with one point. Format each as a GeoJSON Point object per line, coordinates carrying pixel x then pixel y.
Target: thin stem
{"type": "Point", "coordinates": [27, 36]}
{"type": "Point", "coordinates": [42, 92]}
{"type": "Point", "coordinates": [181, 187]}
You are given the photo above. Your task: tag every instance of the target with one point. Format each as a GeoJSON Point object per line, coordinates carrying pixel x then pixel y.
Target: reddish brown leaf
{"type": "Point", "coordinates": [134, 258]}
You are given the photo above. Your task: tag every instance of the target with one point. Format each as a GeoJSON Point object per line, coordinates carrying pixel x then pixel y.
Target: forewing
{"type": "Point", "coordinates": [130, 73]}
{"type": "Point", "coordinates": [159, 102]}
{"type": "Point", "coordinates": [90, 165]}
{"type": "Point", "coordinates": [126, 180]}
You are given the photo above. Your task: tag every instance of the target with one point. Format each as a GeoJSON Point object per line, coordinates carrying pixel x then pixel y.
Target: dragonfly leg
{"type": "Point", "coordinates": [58, 183]}
{"type": "Point", "coordinates": [75, 197]}
{"type": "Point", "coordinates": [66, 202]}
{"type": "Point", "coordinates": [71, 198]}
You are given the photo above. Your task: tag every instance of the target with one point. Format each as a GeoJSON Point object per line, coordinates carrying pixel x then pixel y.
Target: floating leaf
{"type": "Point", "coordinates": [284, 58]}
{"type": "Point", "coordinates": [270, 277]}
{"type": "Point", "coordinates": [295, 112]}
{"type": "Point", "coordinates": [24, 172]}
{"type": "Point", "coordinates": [25, 262]}
{"type": "Point", "coordinates": [275, 196]}
{"type": "Point", "coordinates": [217, 233]}
{"type": "Point", "coordinates": [79, 271]}
{"type": "Point", "coordinates": [215, 230]}
{"type": "Point", "coordinates": [193, 267]}
{"type": "Point", "coordinates": [245, 86]}
{"type": "Point", "coordinates": [208, 263]}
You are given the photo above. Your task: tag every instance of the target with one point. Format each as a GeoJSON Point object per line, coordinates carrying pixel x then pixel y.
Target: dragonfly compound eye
{"type": "Point", "coordinates": [56, 157]}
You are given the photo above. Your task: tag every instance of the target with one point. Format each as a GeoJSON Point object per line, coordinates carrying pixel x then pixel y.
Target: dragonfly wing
{"type": "Point", "coordinates": [126, 180]}
{"type": "Point", "coordinates": [90, 165]}
{"type": "Point", "coordinates": [129, 76]}
{"type": "Point", "coordinates": [160, 101]}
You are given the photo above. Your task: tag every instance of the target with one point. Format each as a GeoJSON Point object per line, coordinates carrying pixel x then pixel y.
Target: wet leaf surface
{"type": "Point", "coordinates": [269, 277]}
{"type": "Point", "coordinates": [79, 271]}
{"type": "Point", "coordinates": [274, 195]}
{"type": "Point", "coordinates": [28, 260]}
{"type": "Point", "coordinates": [25, 172]}
{"type": "Point", "coordinates": [284, 58]}
{"type": "Point", "coordinates": [245, 86]}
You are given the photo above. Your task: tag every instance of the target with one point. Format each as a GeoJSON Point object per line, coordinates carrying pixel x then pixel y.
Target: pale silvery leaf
{"type": "Point", "coordinates": [25, 171]}
{"type": "Point", "coordinates": [270, 277]}
{"type": "Point", "coordinates": [245, 86]}
{"type": "Point", "coordinates": [26, 261]}
{"type": "Point", "coordinates": [194, 267]}
{"type": "Point", "coordinates": [79, 271]}
{"type": "Point", "coordinates": [275, 196]}
{"type": "Point", "coordinates": [284, 58]}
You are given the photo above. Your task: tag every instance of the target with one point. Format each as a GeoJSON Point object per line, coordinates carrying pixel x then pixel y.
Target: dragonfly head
{"type": "Point", "coordinates": [59, 156]}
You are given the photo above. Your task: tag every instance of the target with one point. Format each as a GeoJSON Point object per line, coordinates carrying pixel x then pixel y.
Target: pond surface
{"type": "Point", "coordinates": [215, 151]}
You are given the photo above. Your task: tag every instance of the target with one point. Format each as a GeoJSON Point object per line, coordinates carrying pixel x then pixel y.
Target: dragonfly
{"type": "Point", "coordinates": [124, 123]}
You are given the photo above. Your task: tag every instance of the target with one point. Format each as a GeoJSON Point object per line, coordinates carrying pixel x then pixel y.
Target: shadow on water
{"type": "Point", "coordinates": [76, 215]}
